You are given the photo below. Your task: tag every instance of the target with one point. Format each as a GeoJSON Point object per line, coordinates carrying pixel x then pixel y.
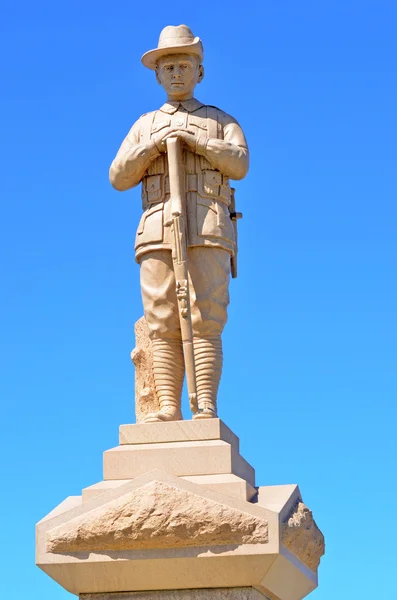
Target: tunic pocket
{"type": "Point", "coordinates": [198, 122]}
{"type": "Point", "coordinates": [150, 227]}
{"type": "Point", "coordinates": [157, 126]}
{"type": "Point", "coordinates": [213, 219]}
{"type": "Point", "coordinates": [209, 183]}
{"type": "Point", "coordinates": [154, 188]}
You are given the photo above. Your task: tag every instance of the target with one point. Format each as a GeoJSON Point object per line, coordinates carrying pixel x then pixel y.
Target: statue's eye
{"type": "Point", "coordinates": [168, 68]}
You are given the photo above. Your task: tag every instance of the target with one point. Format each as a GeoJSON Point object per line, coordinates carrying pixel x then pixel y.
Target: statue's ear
{"type": "Point", "coordinates": [157, 76]}
{"type": "Point", "coordinates": [201, 74]}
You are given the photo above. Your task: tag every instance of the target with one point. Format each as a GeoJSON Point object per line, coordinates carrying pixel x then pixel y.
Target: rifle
{"type": "Point", "coordinates": [179, 256]}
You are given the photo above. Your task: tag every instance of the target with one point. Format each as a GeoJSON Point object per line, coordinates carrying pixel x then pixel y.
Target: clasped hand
{"type": "Point", "coordinates": [187, 136]}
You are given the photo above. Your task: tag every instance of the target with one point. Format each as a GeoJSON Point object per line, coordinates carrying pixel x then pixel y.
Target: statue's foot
{"type": "Point", "coordinates": [208, 412]}
{"type": "Point", "coordinates": [164, 415]}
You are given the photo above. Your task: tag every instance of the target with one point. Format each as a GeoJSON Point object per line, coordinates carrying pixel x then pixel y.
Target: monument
{"type": "Point", "coordinates": [178, 514]}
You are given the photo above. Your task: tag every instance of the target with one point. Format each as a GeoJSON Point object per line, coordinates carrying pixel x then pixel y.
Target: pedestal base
{"type": "Point", "coordinates": [181, 515]}
{"type": "Point", "coordinates": [237, 593]}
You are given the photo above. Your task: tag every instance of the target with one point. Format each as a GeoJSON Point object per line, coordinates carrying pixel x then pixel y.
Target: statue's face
{"type": "Point", "coordinates": [179, 75]}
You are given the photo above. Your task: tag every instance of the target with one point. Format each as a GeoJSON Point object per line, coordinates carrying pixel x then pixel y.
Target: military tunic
{"type": "Point", "coordinates": [221, 153]}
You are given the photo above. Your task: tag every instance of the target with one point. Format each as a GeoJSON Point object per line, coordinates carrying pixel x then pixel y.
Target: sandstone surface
{"type": "Point", "coordinates": [146, 400]}
{"type": "Point", "coordinates": [157, 515]}
{"type": "Point", "coordinates": [240, 593]}
{"type": "Point", "coordinates": [302, 537]}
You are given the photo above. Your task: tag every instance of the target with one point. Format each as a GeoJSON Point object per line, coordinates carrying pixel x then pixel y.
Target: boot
{"type": "Point", "coordinates": [168, 370]}
{"type": "Point", "coordinates": [208, 363]}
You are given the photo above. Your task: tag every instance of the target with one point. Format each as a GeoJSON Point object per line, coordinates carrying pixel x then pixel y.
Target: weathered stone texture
{"type": "Point", "coordinates": [142, 356]}
{"type": "Point", "coordinates": [240, 593]}
{"type": "Point", "coordinates": [157, 515]}
{"type": "Point", "coordinates": [302, 537]}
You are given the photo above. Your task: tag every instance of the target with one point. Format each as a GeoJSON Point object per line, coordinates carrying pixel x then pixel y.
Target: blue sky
{"type": "Point", "coordinates": [309, 383]}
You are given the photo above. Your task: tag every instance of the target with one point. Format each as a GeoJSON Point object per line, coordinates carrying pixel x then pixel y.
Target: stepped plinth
{"type": "Point", "coordinates": [178, 514]}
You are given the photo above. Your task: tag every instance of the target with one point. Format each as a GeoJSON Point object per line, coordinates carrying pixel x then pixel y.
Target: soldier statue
{"type": "Point", "coordinates": [184, 154]}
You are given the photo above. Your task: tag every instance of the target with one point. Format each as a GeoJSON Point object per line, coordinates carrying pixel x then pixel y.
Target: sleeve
{"type": "Point", "coordinates": [230, 156]}
{"type": "Point", "coordinates": [132, 159]}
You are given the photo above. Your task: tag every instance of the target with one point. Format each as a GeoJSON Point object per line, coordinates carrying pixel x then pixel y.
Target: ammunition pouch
{"type": "Point", "coordinates": [207, 184]}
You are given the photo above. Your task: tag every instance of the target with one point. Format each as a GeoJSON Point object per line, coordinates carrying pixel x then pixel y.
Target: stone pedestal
{"type": "Point", "coordinates": [241, 593]}
{"type": "Point", "coordinates": [178, 511]}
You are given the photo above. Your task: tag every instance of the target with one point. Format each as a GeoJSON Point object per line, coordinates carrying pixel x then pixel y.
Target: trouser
{"type": "Point", "coordinates": [209, 273]}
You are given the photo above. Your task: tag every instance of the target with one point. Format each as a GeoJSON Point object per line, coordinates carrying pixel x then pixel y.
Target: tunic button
{"type": "Point", "coordinates": [179, 122]}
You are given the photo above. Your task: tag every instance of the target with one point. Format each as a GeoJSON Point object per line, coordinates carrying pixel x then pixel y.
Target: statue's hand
{"type": "Point", "coordinates": [159, 140]}
{"type": "Point", "coordinates": [187, 136]}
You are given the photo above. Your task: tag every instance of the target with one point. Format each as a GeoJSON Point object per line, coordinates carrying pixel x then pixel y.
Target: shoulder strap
{"type": "Point", "coordinates": [213, 122]}
{"type": "Point", "coordinates": [146, 126]}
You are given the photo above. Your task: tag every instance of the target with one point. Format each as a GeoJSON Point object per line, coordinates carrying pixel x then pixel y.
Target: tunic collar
{"type": "Point", "coordinates": [190, 106]}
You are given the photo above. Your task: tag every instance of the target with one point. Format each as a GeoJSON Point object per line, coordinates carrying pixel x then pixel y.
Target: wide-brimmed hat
{"type": "Point", "coordinates": [174, 39]}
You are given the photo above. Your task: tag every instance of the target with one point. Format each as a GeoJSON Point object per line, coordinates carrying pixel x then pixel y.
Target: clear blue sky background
{"type": "Point", "coordinates": [309, 383]}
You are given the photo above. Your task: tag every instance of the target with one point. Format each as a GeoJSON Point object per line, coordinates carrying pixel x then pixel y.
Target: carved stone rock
{"type": "Point", "coordinates": [142, 356]}
{"type": "Point", "coordinates": [157, 515]}
{"type": "Point", "coordinates": [302, 537]}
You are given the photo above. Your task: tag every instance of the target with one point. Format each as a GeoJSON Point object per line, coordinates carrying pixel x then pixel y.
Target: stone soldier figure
{"type": "Point", "coordinates": [215, 150]}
